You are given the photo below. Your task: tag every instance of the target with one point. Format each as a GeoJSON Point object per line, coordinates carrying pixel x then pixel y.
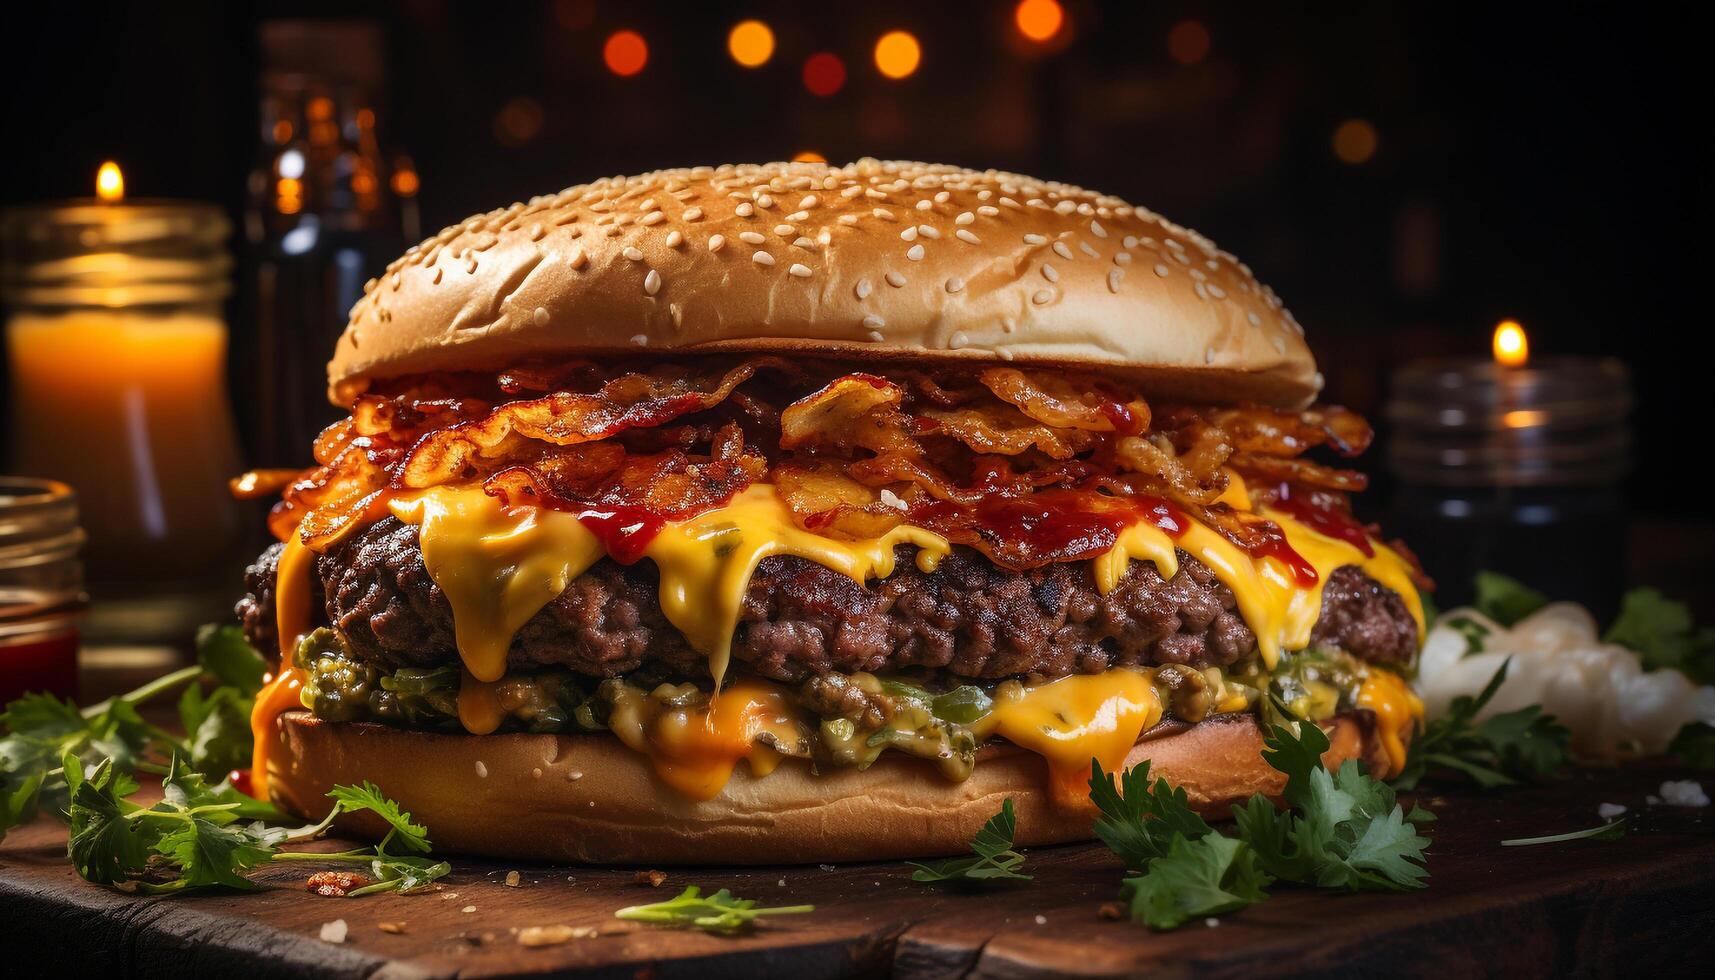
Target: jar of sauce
{"type": "Point", "coordinates": [41, 587]}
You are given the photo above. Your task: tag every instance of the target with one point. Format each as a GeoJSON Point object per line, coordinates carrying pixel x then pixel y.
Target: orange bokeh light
{"type": "Point", "coordinates": [625, 53]}
{"type": "Point", "coordinates": [824, 74]}
{"type": "Point", "coordinates": [809, 156]}
{"type": "Point", "coordinates": [110, 183]}
{"type": "Point", "coordinates": [1188, 42]}
{"type": "Point", "coordinates": [897, 54]}
{"type": "Point", "coordinates": [1039, 20]}
{"type": "Point", "coordinates": [1512, 348]}
{"type": "Point", "coordinates": [751, 43]}
{"type": "Point", "coordinates": [1355, 141]}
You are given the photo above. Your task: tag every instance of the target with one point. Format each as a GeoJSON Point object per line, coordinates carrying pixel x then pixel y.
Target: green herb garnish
{"type": "Point", "coordinates": [1506, 600]}
{"type": "Point", "coordinates": [1664, 635]}
{"type": "Point", "coordinates": [1608, 831]}
{"type": "Point", "coordinates": [720, 912]}
{"type": "Point", "coordinates": [993, 857]}
{"type": "Point", "coordinates": [1504, 750]}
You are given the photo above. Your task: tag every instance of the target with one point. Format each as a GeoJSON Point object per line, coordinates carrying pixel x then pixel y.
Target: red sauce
{"type": "Point", "coordinates": [47, 661]}
{"type": "Point", "coordinates": [1323, 520]}
{"type": "Point", "coordinates": [1050, 525]}
{"type": "Point", "coordinates": [1125, 421]}
{"type": "Point", "coordinates": [625, 532]}
{"type": "Point", "coordinates": [1275, 546]}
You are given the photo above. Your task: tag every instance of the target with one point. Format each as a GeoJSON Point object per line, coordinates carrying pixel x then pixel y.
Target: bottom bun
{"type": "Point", "coordinates": [588, 798]}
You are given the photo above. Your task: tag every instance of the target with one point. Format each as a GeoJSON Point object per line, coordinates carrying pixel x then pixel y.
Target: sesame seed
{"type": "Point", "coordinates": [873, 194]}
{"type": "Point", "coordinates": [1319, 381]}
{"type": "Point", "coordinates": [1129, 241]}
{"type": "Point", "coordinates": [875, 336]}
{"type": "Point", "coordinates": [762, 258]}
{"type": "Point", "coordinates": [809, 201]}
{"type": "Point", "coordinates": [915, 253]}
{"type": "Point", "coordinates": [437, 280]}
{"type": "Point", "coordinates": [693, 214]}
{"type": "Point", "coordinates": [764, 201]}
{"type": "Point", "coordinates": [751, 237]}
{"type": "Point", "coordinates": [909, 234]}
{"type": "Point", "coordinates": [966, 235]}
{"type": "Point", "coordinates": [1208, 355]}
{"type": "Point", "coordinates": [1097, 229]}
{"type": "Point", "coordinates": [940, 198]}
{"type": "Point", "coordinates": [848, 219]}
{"type": "Point", "coordinates": [637, 340]}
{"type": "Point", "coordinates": [540, 317]}
{"type": "Point", "coordinates": [1042, 296]}
{"type": "Point", "coordinates": [798, 216]}
{"type": "Point", "coordinates": [1061, 249]}
{"type": "Point", "coordinates": [715, 242]}
{"type": "Point", "coordinates": [470, 266]}
{"type": "Point", "coordinates": [1161, 270]}
{"type": "Point", "coordinates": [1065, 207]}
{"type": "Point", "coordinates": [874, 322]}
{"type": "Point", "coordinates": [1034, 239]}
{"type": "Point", "coordinates": [1253, 319]}
{"type": "Point", "coordinates": [802, 242]}
{"type": "Point", "coordinates": [964, 218]}
{"type": "Point", "coordinates": [882, 213]}
{"type": "Point", "coordinates": [928, 232]}
{"type": "Point", "coordinates": [784, 230]}
{"type": "Point", "coordinates": [1217, 291]}
{"type": "Point", "coordinates": [1114, 276]}
{"type": "Point", "coordinates": [1050, 273]}
{"type": "Point", "coordinates": [925, 205]}
{"type": "Point", "coordinates": [955, 284]}
{"type": "Point", "coordinates": [536, 232]}
{"type": "Point", "coordinates": [894, 279]}
{"type": "Point", "coordinates": [652, 282]}
{"type": "Point", "coordinates": [633, 253]}
{"type": "Point", "coordinates": [745, 209]}
{"type": "Point", "coordinates": [1122, 258]}
{"type": "Point", "coordinates": [800, 270]}
{"type": "Point", "coordinates": [958, 339]}
{"type": "Point", "coordinates": [675, 239]}
{"type": "Point", "coordinates": [1280, 343]}
{"type": "Point", "coordinates": [650, 218]}
{"type": "Point", "coordinates": [1087, 250]}
{"type": "Point", "coordinates": [862, 289]}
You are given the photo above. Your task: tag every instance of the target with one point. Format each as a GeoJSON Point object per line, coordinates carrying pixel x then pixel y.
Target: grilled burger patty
{"type": "Point", "coordinates": [969, 617]}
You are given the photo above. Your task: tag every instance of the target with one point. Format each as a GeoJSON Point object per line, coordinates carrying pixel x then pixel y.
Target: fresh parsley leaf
{"type": "Point", "coordinates": [212, 853]}
{"type": "Point", "coordinates": [1506, 600]}
{"type": "Point", "coordinates": [1609, 831]}
{"type": "Point", "coordinates": [105, 847]}
{"type": "Point", "coordinates": [223, 651]}
{"type": "Point", "coordinates": [1694, 746]}
{"type": "Point", "coordinates": [1504, 750]}
{"type": "Point", "coordinates": [993, 860]}
{"type": "Point", "coordinates": [720, 912]}
{"type": "Point", "coordinates": [217, 728]}
{"type": "Point", "coordinates": [1195, 878]}
{"type": "Point", "coordinates": [409, 836]}
{"type": "Point", "coordinates": [1664, 635]}
{"type": "Point", "coordinates": [1138, 820]}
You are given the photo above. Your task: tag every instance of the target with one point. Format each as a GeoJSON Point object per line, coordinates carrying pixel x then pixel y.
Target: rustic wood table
{"type": "Point", "coordinates": [1641, 905]}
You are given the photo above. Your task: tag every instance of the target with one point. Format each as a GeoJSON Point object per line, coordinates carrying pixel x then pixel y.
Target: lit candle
{"type": "Point", "coordinates": [1513, 464]}
{"type": "Point", "coordinates": [117, 349]}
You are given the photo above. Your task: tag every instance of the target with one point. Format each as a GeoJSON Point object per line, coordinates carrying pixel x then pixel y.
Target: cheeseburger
{"type": "Point", "coordinates": [806, 513]}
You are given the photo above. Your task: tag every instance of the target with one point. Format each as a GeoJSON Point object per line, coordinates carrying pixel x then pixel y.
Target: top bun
{"type": "Point", "coordinates": [875, 259]}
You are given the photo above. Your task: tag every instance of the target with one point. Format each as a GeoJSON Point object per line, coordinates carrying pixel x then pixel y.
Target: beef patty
{"type": "Point", "coordinates": [969, 617]}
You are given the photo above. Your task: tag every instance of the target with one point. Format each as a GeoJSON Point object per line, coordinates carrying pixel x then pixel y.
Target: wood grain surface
{"type": "Point", "coordinates": [1642, 905]}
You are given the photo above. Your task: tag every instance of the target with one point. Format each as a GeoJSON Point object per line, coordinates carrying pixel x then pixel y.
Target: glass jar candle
{"type": "Point", "coordinates": [41, 587]}
{"type": "Point", "coordinates": [117, 351]}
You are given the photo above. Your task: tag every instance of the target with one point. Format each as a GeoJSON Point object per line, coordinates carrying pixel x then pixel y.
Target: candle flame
{"type": "Point", "coordinates": [1511, 348]}
{"type": "Point", "coordinates": [110, 183]}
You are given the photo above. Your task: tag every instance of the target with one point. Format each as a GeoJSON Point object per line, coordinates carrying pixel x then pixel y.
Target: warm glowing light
{"type": "Point", "coordinates": [1355, 141]}
{"type": "Point", "coordinates": [110, 183]}
{"type": "Point", "coordinates": [1524, 418]}
{"type": "Point", "coordinates": [897, 54]}
{"type": "Point", "coordinates": [809, 156]}
{"type": "Point", "coordinates": [1188, 42]}
{"type": "Point", "coordinates": [750, 43]}
{"type": "Point", "coordinates": [518, 122]}
{"type": "Point", "coordinates": [1039, 20]}
{"type": "Point", "coordinates": [625, 53]}
{"type": "Point", "coordinates": [405, 181]}
{"type": "Point", "coordinates": [1511, 347]}
{"type": "Point", "coordinates": [824, 74]}
{"type": "Point", "coordinates": [288, 195]}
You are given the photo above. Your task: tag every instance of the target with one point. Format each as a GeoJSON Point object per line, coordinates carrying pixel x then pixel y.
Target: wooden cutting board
{"type": "Point", "coordinates": [1642, 905]}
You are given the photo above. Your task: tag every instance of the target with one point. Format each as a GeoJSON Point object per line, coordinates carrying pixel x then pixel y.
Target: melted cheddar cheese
{"type": "Point", "coordinates": [1075, 719]}
{"type": "Point", "coordinates": [695, 749]}
{"type": "Point", "coordinates": [1398, 710]}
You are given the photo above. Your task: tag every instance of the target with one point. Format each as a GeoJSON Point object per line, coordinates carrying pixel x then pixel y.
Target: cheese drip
{"type": "Point", "coordinates": [282, 693]}
{"type": "Point", "coordinates": [1075, 719]}
{"type": "Point", "coordinates": [695, 749]}
{"type": "Point", "coordinates": [1398, 710]}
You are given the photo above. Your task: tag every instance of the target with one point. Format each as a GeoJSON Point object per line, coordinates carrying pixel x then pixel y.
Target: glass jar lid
{"type": "Point", "coordinates": [114, 255]}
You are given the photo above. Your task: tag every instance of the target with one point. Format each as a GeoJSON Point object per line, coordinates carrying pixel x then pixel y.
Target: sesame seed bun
{"type": "Point", "coordinates": [877, 260]}
{"type": "Point", "coordinates": [588, 798]}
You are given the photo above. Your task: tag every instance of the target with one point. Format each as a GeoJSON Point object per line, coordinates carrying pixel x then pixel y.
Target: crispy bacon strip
{"type": "Point", "coordinates": [1068, 401]}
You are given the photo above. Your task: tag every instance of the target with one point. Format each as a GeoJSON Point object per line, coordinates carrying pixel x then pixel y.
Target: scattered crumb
{"type": "Point", "coordinates": [335, 884]}
{"type": "Point", "coordinates": [1684, 792]}
{"type": "Point", "coordinates": [449, 896]}
{"type": "Point", "coordinates": [1609, 811]}
{"type": "Point", "coordinates": [1653, 800]}
{"type": "Point", "coordinates": [468, 908]}
{"type": "Point", "coordinates": [392, 928]}
{"type": "Point", "coordinates": [1211, 922]}
{"type": "Point", "coordinates": [781, 883]}
{"type": "Point", "coordinates": [1112, 911]}
{"type": "Point", "coordinates": [1042, 920]}
{"type": "Point", "coordinates": [512, 879]}
{"type": "Point", "coordinates": [826, 867]}
{"type": "Point", "coordinates": [651, 878]}
{"type": "Point", "coordinates": [536, 772]}
{"type": "Point", "coordinates": [334, 932]}
{"type": "Point", "coordinates": [554, 935]}
{"type": "Point", "coordinates": [574, 776]}
{"type": "Point", "coordinates": [481, 770]}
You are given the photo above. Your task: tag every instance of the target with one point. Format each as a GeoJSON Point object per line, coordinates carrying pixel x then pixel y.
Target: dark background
{"type": "Point", "coordinates": [1545, 164]}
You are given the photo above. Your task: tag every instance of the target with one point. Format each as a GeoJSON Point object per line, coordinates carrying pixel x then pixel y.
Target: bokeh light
{"type": "Point", "coordinates": [808, 156]}
{"type": "Point", "coordinates": [897, 54]}
{"type": "Point", "coordinates": [1188, 42]}
{"type": "Point", "coordinates": [824, 74]}
{"type": "Point", "coordinates": [1355, 141]}
{"type": "Point", "coordinates": [625, 53]}
{"type": "Point", "coordinates": [750, 43]}
{"type": "Point", "coordinates": [1512, 348]}
{"type": "Point", "coordinates": [110, 183]}
{"type": "Point", "coordinates": [1039, 20]}
{"type": "Point", "coordinates": [518, 122]}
